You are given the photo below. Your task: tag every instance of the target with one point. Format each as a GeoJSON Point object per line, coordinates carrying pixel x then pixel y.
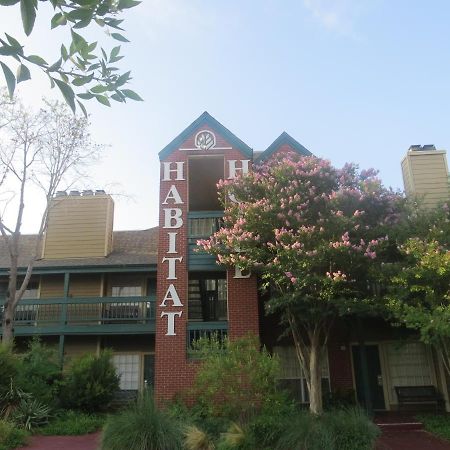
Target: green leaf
{"type": "Point", "coordinates": [114, 52]}
{"type": "Point", "coordinates": [67, 92]}
{"type": "Point", "coordinates": [113, 60]}
{"type": "Point", "coordinates": [99, 89]}
{"type": "Point", "coordinates": [8, 2]}
{"type": "Point", "coordinates": [35, 59]}
{"type": "Point", "coordinates": [123, 4]}
{"type": "Point", "coordinates": [10, 79]}
{"type": "Point", "coordinates": [64, 53]}
{"type": "Point", "coordinates": [82, 23]}
{"type": "Point", "coordinates": [80, 81]}
{"type": "Point", "coordinates": [82, 108]}
{"type": "Point", "coordinates": [56, 66]}
{"type": "Point", "coordinates": [131, 94]}
{"type": "Point", "coordinates": [28, 11]}
{"type": "Point", "coordinates": [117, 97]}
{"type": "Point", "coordinates": [86, 95]}
{"type": "Point", "coordinates": [14, 43]}
{"type": "Point", "coordinates": [79, 41]}
{"type": "Point", "coordinates": [119, 37]}
{"type": "Point", "coordinates": [103, 100]}
{"type": "Point", "coordinates": [23, 73]}
{"type": "Point", "coordinates": [7, 50]}
{"type": "Point", "coordinates": [58, 19]}
{"type": "Point", "coordinates": [79, 14]}
{"type": "Point", "coordinates": [123, 79]}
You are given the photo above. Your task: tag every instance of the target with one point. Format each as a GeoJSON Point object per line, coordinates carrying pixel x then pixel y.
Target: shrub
{"type": "Point", "coordinates": [30, 413]}
{"type": "Point", "coordinates": [11, 436]}
{"type": "Point", "coordinates": [438, 424]}
{"type": "Point", "coordinates": [352, 429]}
{"type": "Point", "coordinates": [142, 427]}
{"type": "Point", "coordinates": [196, 439]}
{"type": "Point", "coordinates": [236, 379]}
{"type": "Point", "coordinates": [39, 372]}
{"type": "Point", "coordinates": [335, 430]}
{"type": "Point", "coordinates": [72, 423]}
{"type": "Point", "coordinates": [8, 367]}
{"type": "Point", "coordinates": [90, 383]}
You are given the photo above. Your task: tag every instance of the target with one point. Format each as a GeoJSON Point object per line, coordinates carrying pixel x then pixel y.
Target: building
{"type": "Point", "coordinates": [147, 294]}
{"type": "Point", "coordinates": [425, 175]}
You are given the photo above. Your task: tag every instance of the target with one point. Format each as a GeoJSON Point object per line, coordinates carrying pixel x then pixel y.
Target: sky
{"type": "Point", "coordinates": [352, 80]}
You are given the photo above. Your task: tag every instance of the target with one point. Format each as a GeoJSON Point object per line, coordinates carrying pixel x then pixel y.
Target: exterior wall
{"type": "Point", "coordinates": [79, 227]}
{"type": "Point", "coordinates": [425, 176]}
{"type": "Point", "coordinates": [174, 372]}
{"type": "Point", "coordinates": [75, 346]}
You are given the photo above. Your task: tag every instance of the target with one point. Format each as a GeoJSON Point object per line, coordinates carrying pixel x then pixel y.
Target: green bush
{"type": "Point", "coordinates": [142, 427]}
{"type": "Point", "coordinates": [438, 424]}
{"type": "Point", "coordinates": [11, 436]}
{"type": "Point", "coordinates": [90, 383]}
{"type": "Point", "coordinates": [68, 423]}
{"type": "Point", "coordinates": [235, 379]}
{"type": "Point", "coordinates": [335, 430]}
{"type": "Point", "coordinates": [352, 429]}
{"type": "Point", "coordinates": [30, 413]}
{"type": "Point", "coordinates": [39, 372]}
{"type": "Point", "coordinates": [8, 368]}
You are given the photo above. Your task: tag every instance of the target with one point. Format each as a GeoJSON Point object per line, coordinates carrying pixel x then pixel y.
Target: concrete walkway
{"type": "Point", "coordinates": [85, 442]}
{"type": "Point", "coordinates": [410, 440]}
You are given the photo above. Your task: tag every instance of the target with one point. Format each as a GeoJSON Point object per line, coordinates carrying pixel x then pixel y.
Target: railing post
{"type": "Point", "coordinates": [63, 317]}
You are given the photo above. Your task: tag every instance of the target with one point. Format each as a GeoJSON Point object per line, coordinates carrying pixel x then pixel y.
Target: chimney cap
{"type": "Point", "coordinates": [100, 192]}
{"type": "Point", "coordinates": [74, 193]}
{"type": "Point", "coordinates": [88, 192]}
{"type": "Point", "coordinates": [60, 194]}
{"type": "Point", "coordinates": [422, 148]}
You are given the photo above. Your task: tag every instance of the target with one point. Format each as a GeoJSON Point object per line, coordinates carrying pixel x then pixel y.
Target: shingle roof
{"type": "Point", "coordinates": [136, 247]}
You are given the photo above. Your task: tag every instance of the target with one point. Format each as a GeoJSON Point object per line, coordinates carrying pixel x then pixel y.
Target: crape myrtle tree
{"type": "Point", "coordinates": [81, 70]}
{"type": "Point", "coordinates": [317, 236]}
{"type": "Point", "coordinates": [419, 293]}
{"type": "Point", "coordinates": [40, 152]}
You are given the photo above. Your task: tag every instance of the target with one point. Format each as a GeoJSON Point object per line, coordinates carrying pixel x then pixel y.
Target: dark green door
{"type": "Point", "coordinates": [374, 374]}
{"type": "Point", "coordinates": [149, 371]}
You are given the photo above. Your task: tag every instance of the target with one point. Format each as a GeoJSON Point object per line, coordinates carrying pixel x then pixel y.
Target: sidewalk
{"type": "Point", "coordinates": [410, 440]}
{"type": "Point", "coordinates": [85, 442]}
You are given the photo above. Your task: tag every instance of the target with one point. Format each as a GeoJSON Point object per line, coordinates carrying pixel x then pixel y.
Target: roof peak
{"type": "Point", "coordinates": [282, 139]}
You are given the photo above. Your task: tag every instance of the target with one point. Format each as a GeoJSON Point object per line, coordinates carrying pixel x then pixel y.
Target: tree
{"type": "Point", "coordinates": [78, 66]}
{"type": "Point", "coordinates": [47, 150]}
{"type": "Point", "coordinates": [419, 295]}
{"type": "Point", "coordinates": [317, 236]}
{"type": "Point", "coordinates": [235, 379]}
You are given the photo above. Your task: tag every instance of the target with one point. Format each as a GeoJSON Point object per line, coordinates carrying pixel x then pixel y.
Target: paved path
{"type": "Point", "coordinates": [410, 440]}
{"type": "Point", "coordinates": [85, 442]}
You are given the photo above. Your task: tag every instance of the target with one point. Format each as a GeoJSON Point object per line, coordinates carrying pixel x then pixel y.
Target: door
{"type": "Point", "coordinates": [375, 379]}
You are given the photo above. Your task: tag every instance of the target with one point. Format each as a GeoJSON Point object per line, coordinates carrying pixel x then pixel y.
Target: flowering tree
{"type": "Point", "coordinates": [419, 297]}
{"type": "Point", "coordinates": [317, 236]}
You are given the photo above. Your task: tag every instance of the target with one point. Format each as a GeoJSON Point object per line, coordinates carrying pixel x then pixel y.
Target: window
{"type": "Point", "coordinates": [129, 369]}
{"type": "Point", "coordinates": [126, 291]}
{"type": "Point", "coordinates": [291, 374]}
{"type": "Point", "coordinates": [208, 298]}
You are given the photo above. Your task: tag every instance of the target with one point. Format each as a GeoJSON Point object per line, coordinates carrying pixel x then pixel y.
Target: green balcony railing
{"type": "Point", "coordinates": [197, 330]}
{"type": "Point", "coordinates": [90, 315]}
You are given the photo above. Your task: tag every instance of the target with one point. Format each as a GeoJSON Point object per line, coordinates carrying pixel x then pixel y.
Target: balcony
{"type": "Point", "coordinates": [93, 315]}
{"type": "Point", "coordinates": [202, 224]}
{"type": "Point", "coordinates": [197, 330]}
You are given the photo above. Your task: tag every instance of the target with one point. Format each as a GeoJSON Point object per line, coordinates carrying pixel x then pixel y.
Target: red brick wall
{"type": "Point", "coordinates": [173, 372]}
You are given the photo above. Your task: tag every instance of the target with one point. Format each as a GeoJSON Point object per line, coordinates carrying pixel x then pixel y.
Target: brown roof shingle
{"type": "Point", "coordinates": [135, 247]}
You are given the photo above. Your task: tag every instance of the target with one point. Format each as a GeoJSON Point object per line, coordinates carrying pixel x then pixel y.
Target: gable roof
{"type": "Point", "coordinates": [282, 139]}
{"type": "Point", "coordinates": [206, 119]}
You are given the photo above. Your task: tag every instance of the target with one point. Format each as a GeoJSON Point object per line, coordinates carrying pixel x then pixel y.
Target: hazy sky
{"type": "Point", "coordinates": [352, 80]}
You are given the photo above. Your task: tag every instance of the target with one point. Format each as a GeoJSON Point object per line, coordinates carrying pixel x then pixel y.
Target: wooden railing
{"type": "Point", "coordinates": [197, 330]}
{"type": "Point", "coordinates": [90, 315]}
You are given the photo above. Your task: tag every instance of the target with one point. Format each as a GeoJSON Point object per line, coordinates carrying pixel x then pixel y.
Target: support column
{"type": "Point", "coordinates": [63, 318]}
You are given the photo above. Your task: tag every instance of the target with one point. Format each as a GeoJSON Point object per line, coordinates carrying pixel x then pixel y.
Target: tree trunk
{"type": "Point", "coordinates": [8, 323]}
{"type": "Point", "coordinates": [315, 387]}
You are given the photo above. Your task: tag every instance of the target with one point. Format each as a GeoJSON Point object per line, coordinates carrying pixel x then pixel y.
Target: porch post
{"type": "Point", "coordinates": [63, 317]}
{"type": "Point", "coordinates": [364, 367]}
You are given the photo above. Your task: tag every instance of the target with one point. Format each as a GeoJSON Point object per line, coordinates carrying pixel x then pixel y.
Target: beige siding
{"type": "Point", "coordinates": [79, 227]}
{"type": "Point", "coordinates": [52, 286]}
{"type": "Point", "coordinates": [425, 176]}
{"type": "Point", "coordinates": [75, 346]}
